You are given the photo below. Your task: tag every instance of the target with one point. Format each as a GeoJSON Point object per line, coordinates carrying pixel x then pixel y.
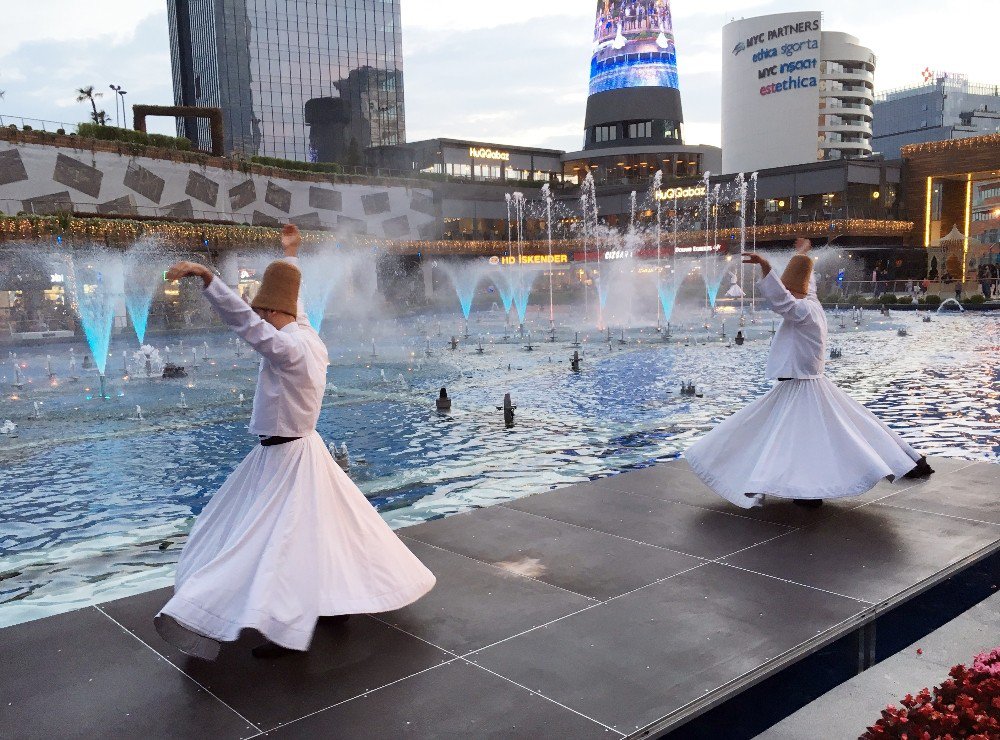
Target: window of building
{"type": "Point", "coordinates": [459, 170]}
{"type": "Point", "coordinates": [487, 172]}
{"type": "Point", "coordinates": [605, 133]}
{"type": "Point", "coordinates": [640, 130]}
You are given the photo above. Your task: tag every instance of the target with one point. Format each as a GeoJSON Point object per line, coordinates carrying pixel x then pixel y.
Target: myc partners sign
{"type": "Point", "coordinates": [770, 91]}
{"type": "Point", "coordinates": [775, 48]}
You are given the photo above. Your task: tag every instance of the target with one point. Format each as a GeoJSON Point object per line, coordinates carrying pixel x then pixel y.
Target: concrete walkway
{"type": "Point", "coordinates": [619, 607]}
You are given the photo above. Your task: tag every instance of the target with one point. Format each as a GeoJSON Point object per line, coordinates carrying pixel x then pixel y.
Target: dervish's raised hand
{"type": "Point", "coordinates": [189, 269]}
{"type": "Point", "coordinates": [291, 240]}
{"type": "Point", "coordinates": [752, 258]}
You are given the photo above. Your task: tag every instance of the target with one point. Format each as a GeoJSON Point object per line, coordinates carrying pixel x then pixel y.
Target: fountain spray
{"type": "Point", "coordinates": [547, 194]}
{"type": "Point", "coordinates": [586, 193]}
{"type": "Point", "coordinates": [741, 184]}
{"type": "Point", "coordinates": [753, 283]}
{"type": "Point", "coordinates": [708, 201]}
{"type": "Point", "coordinates": [655, 190]}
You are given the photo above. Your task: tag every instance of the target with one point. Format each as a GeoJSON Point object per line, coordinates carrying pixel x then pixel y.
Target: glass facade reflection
{"type": "Point", "coordinates": [311, 80]}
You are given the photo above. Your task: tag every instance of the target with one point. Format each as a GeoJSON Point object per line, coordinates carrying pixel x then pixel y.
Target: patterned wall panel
{"type": "Point", "coordinates": [46, 179]}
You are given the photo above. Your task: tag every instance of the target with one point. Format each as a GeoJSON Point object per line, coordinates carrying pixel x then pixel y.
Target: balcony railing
{"type": "Point", "coordinates": [859, 76]}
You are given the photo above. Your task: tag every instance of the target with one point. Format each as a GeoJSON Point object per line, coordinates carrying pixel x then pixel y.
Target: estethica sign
{"type": "Point", "coordinates": [482, 152]}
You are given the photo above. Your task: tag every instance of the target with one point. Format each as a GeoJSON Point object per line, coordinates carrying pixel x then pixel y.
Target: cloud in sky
{"type": "Point", "coordinates": [510, 73]}
{"type": "Point", "coordinates": [58, 50]}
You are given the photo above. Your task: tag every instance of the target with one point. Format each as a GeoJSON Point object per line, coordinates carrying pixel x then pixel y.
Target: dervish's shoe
{"type": "Point", "coordinates": [920, 470]}
{"type": "Point", "coordinates": [185, 639]}
{"type": "Point", "coordinates": [808, 503]}
{"type": "Point", "coordinates": [271, 651]}
{"type": "Point", "coordinates": [334, 619]}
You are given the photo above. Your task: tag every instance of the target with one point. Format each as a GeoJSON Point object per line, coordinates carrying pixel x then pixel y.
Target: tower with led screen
{"type": "Point", "coordinates": [634, 97]}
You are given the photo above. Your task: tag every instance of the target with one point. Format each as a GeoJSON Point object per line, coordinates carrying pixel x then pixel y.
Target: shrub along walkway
{"type": "Point", "coordinates": [619, 607]}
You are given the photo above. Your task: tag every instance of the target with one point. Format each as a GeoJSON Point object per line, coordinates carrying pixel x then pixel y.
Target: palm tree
{"type": "Point", "coordinates": [87, 93]}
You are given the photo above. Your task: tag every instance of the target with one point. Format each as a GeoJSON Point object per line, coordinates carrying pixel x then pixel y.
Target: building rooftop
{"type": "Point", "coordinates": [958, 83]}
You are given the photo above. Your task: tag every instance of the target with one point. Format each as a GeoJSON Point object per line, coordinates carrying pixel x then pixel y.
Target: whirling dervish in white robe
{"type": "Point", "coordinates": [805, 439]}
{"type": "Point", "coordinates": [288, 537]}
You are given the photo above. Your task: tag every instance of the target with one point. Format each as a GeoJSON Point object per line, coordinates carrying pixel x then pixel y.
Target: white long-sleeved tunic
{"type": "Point", "coordinates": [799, 346]}
{"type": "Point", "coordinates": [292, 375]}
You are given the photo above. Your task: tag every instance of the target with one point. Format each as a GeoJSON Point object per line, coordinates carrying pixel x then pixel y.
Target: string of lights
{"type": "Point", "coordinates": [123, 231]}
{"type": "Point", "coordinates": [932, 147]}
{"type": "Point", "coordinates": [772, 232]}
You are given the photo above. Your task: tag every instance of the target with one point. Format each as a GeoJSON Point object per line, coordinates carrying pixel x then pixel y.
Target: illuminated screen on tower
{"type": "Point", "coordinates": [633, 46]}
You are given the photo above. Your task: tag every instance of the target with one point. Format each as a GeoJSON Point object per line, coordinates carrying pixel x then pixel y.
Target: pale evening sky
{"type": "Point", "coordinates": [512, 72]}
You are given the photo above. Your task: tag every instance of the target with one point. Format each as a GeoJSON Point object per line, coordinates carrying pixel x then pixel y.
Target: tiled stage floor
{"type": "Point", "coordinates": [605, 609]}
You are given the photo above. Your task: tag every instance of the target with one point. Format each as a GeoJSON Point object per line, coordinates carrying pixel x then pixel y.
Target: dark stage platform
{"type": "Point", "coordinates": [624, 606]}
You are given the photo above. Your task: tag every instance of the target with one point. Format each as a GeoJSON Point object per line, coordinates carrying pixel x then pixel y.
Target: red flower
{"type": "Point", "coordinates": [966, 705]}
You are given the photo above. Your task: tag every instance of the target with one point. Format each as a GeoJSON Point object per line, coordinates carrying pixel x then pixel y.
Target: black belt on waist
{"type": "Point", "coordinates": [782, 380]}
{"type": "Point", "coordinates": [272, 441]}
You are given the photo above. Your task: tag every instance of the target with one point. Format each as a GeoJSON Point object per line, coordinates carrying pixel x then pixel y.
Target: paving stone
{"type": "Point", "coordinates": [61, 202]}
{"type": "Point", "coordinates": [242, 195]}
{"type": "Point", "coordinates": [182, 209]}
{"type": "Point", "coordinates": [375, 203]}
{"type": "Point", "coordinates": [145, 182]}
{"type": "Point", "coordinates": [77, 175]}
{"type": "Point", "coordinates": [278, 197]}
{"type": "Point", "coordinates": [396, 228]}
{"type": "Point", "coordinates": [325, 199]}
{"type": "Point", "coordinates": [124, 206]}
{"type": "Point", "coordinates": [11, 167]}
{"type": "Point", "coordinates": [202, 188]}
{"type": "Point", "coordinates": [262, 219]}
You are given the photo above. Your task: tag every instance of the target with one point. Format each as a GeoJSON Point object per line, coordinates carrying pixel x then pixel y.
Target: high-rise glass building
{"type": "Point", "coordinates": [311, 80]}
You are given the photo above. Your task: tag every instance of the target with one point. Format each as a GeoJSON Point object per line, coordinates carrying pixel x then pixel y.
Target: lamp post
{"type": "Point", "coordinates": [116, 88]}
{"type": "Point", "coordinates": [120, 93]}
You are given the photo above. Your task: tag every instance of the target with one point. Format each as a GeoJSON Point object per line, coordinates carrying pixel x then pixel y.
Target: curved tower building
{"type": "Point", "coordinates": [633, 75]}
{"type": "Point", "coordinates": [633, 125]}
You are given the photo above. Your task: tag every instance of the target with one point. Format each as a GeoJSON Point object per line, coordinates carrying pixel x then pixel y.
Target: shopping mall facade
{"type": "Point", "coordinates": [935, 211]}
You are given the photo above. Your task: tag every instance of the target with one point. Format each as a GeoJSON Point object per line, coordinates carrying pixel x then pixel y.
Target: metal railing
{"type": "Point", "coordinates": [909, 287]}
{"type": "Point", "coordinates": [35, 326]}
{"type": "Point", "coordinates": [36, 124]}
{"type": "Point", "coordinates": [825, 214]}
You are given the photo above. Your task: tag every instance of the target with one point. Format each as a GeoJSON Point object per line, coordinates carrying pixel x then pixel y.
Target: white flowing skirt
{"type": "Point", "coordinates": [804, 439]}
{"type": "Point", "coordinates": [289, 538]}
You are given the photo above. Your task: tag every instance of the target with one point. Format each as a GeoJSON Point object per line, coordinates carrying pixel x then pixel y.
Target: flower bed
{"type": "Point", "coordinates": [967, 705]}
